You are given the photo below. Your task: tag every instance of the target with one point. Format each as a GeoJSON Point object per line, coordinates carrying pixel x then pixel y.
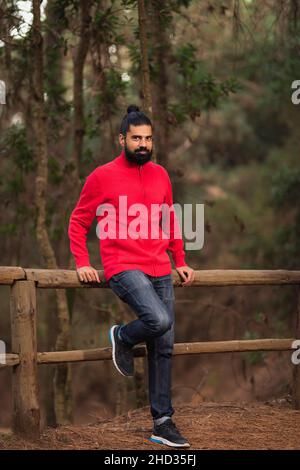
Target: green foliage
{"type": "Point", "coordinates": [14, 145]}
{"type": "Point", "coordinates": [61, 7]}
{"type": "Point", "coordinates": [129, 3]}
{"type": "Point", "coordinates": [107, 99]}
{"type": "Point", "coordinates": [18, 156]}
{"type": "Point", "coordinates": [10, 229]}
{"type": "Point", "coordinates": [175, 5]}
{"type": "Point", "coordinates": [178, 111]}
{"type": "Point", "coordinates": [199, 89]}
{"type": "Point", "coordinates": [18, 164]}
{"type": "Point", "coordinates": [135, 58]}
{"type": "Point", "coordinates": [285, 193]}
{"type": "Point", "coordinates": [55, 174]}
{"type": "Point", "coordinates": [285, 190]}
{"type": "Point", "coordinates": [105, 23]}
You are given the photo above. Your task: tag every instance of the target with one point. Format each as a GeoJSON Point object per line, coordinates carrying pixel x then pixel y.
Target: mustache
{"type": "Point", "coordinates": [142, 149]}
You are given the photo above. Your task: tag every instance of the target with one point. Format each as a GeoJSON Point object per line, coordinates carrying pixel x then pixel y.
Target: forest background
{"type": "Point", "coordinates": [216, 77]}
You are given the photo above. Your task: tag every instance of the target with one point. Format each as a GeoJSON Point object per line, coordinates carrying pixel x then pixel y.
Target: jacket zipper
{"type": "Point", "coordinates": [141, 181]}
{"type": "Point", "coordinates": [143, 191]}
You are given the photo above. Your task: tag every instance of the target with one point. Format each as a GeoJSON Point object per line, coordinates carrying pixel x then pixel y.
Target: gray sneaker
{"type": "Point", "coordinates": [121, 353]}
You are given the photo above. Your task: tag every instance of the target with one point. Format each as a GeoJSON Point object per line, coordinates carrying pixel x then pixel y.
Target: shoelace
{"type": "Point", "coordinates": [169, 424]}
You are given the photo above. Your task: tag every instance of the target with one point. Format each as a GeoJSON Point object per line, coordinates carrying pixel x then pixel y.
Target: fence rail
{"type": "Point", "coordinates": [24, 358]}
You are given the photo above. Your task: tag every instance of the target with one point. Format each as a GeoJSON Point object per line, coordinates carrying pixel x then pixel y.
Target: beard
{"type": "Point", "coordinates": [137, 156]}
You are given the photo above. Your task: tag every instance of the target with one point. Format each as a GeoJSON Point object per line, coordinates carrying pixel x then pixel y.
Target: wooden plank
{"type": "Point", "coordinates": [10, 360]}
{"type": "Point", "coordinates": [238, 277]}
{"type": "Point", "coordinates": [9, 274]}
{"type": "Point", "coordinates": [26, 410]}
{"type": "Point", "coordinates": [210, 347]}
{"type": "Point", "coordinates": [234, 346]}
{"type": "Point", "coordinates": [55, 357]}
{"type": "Point", "coordinates": [63, 278]}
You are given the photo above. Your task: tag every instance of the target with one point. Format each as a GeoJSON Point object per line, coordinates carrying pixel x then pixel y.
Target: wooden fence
{"type": "Point", "coordinates": [25, 358]}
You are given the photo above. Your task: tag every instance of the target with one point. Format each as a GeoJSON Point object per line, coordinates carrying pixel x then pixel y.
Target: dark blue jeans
{"type": "Point", "coordinates": [152, 299]}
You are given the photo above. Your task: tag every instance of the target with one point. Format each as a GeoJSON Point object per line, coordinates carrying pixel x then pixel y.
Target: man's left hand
{"type": "Point", "coordinates": [187, 274]}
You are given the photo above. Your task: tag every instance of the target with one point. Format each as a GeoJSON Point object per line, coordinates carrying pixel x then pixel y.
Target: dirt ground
{"type": "Point", "coordinates": [207, 426]}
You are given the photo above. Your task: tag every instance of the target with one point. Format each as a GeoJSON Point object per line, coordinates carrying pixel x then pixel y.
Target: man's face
{"type": "Point", "coordinates": [138, 143]}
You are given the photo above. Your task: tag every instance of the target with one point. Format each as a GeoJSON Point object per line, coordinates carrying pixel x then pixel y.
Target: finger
{"type": "Point", "coordinates": [97, 276]}
{"type": "Point", "coordinates": [89, 276]}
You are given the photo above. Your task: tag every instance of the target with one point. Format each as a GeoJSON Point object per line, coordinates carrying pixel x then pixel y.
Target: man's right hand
{"type": "Point", "coordinates": [88, 274]}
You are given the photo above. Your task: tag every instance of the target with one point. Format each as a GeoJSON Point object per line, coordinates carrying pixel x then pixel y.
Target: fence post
{"type": "Point", "coordinates": [25, 397]}
{"type": "Point", "coordinates": [296, 371]}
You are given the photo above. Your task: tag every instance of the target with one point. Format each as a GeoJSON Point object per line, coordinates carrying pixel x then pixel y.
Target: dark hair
{"type": "Point", "coordinates": [133, 117]}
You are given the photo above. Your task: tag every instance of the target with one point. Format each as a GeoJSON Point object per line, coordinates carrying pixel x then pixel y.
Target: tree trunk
{"type": "Point", "coordinates": [79, 59]}
{"type": "Point", "coordinates": [62, 380]}
{"type": "Point", "coordinates": [101, 63]}
{"type": "Point", "coordinates": [161, 47]}
{"type": "Point", "coordinates": [140, 379]}
{"type": "Point", "coordinates": [146, 86]}
{"type": "Point", "coordinates": [54, 79]}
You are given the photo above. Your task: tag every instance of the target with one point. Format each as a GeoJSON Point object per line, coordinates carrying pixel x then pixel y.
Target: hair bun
{"type": "Point", "coordinates": [133, 109]}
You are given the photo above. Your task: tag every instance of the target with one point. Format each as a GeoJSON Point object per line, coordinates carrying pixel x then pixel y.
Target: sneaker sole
{"type": "Point", "coordinates": [162, 440]}
{"type": "Point", "coordinates": [113, 343]}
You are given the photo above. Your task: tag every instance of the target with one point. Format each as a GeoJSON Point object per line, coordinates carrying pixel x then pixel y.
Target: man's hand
{"type": "Point", "coordinates": [88, 274]}
{"type": "Point", "coordinates": [186, 273]}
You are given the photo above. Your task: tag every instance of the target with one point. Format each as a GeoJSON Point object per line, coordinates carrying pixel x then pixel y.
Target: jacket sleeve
{"type": "Point", "coordinates": [81, 219]}
{"type": "Point", "coordinates": [176, 245]}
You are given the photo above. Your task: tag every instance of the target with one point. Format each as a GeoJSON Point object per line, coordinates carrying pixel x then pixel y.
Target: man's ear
{"type": "Point", "coordinates": [122, 140]}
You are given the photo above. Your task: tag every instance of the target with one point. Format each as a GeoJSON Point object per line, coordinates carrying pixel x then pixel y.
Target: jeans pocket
{"type": "Point", "coordinates": [168, 293]}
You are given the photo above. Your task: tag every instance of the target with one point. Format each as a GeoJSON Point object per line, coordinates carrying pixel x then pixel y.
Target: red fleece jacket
{"type": "Point", "coordinates": [146, 184]}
